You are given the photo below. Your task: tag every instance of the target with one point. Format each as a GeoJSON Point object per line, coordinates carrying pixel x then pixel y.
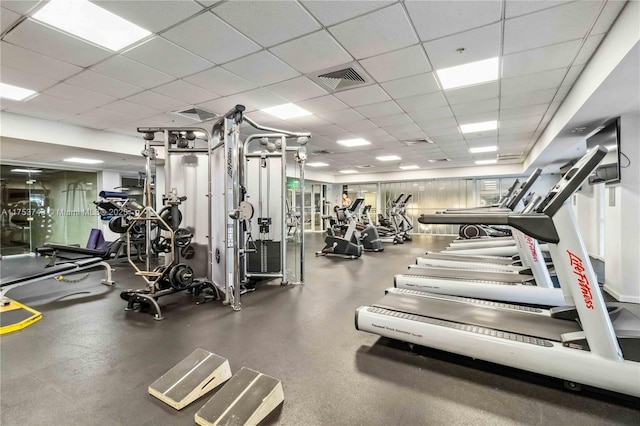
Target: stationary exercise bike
{"type": "Point", "coordinates": [342, 239]}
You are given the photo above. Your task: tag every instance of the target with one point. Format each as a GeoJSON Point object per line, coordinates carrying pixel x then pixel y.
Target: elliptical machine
{"type": "Point", "coordinates": [404, 225]}
{"type": "Point", "coordinates": [369, 236]}
{"type": "Point", "coordinates": [342, 240]}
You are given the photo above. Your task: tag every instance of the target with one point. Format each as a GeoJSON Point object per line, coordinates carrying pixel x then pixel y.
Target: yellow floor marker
{"type": "Point", "coordinates": [15, 316]}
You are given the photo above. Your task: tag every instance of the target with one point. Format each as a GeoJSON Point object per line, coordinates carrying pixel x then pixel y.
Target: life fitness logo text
{"type": "Point", "coordinates": [532, 248]}
{"type": "Point", "coordinates": [583, 281]}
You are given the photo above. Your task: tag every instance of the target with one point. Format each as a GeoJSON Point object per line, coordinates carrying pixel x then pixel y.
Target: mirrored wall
{"type": "Point", "coordinates": [45, 205]}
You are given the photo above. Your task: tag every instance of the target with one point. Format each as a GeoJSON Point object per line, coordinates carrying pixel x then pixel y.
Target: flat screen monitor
{"type": "Point", "coordinates": [609, 169]}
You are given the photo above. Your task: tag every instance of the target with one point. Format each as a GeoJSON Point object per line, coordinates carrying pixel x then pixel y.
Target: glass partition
{"type": "Point", "coordinates": [45, 205]}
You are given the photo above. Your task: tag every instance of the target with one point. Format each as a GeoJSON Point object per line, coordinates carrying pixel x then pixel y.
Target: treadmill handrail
{"type": "Point", "coordinates": [522, 191]}
{"type": "Point", "coordinates": [537, 225]}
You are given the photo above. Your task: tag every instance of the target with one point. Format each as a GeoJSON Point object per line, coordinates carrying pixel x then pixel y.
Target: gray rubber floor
{"type": "Point", "coordinates": [87, 362]}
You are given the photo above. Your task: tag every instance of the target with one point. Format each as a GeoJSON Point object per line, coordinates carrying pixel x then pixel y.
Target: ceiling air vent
{"type": "Point", "coordinates": [365, 166]}
{"type": "Point", "coordinates": [439, 160]}
{"type": "Point", "coordinates": [321, 152]}
{"type": "Point", "coordinates": [502, 157]}
{"type": "Point", "coordinates": [196, 114]}
{"type": "Point", "coordinates": [410, 142]}
{"type": "Point", "coordinates": [340, 79]}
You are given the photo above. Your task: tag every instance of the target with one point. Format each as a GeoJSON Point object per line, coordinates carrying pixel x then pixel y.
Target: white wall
{"type": "Point", "coordinates": [108, 181]}
{"type": "Point", "coordinates": [622, 220]}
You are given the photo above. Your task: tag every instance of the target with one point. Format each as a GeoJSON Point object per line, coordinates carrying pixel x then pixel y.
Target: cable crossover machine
{"type": "Point", "coordinates": [242, 185]}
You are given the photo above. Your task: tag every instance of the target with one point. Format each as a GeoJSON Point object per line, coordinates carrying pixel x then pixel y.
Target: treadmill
{"type": "Point", "coordinates": [582, 343]}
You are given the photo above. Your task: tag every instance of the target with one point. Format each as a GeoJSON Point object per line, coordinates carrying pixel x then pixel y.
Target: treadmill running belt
{"type": "Point", "coordinates": [470, 258]}
{"type": "Point", "coordinates": [510, 321]}
{"type": "Point", "coordinates": [464, 274]}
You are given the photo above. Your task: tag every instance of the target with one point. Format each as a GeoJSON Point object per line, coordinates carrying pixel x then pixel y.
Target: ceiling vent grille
{"type": "Point", "coordinates": [410, 142]}
{"type": "Point", "coordinates": [503, 157]}
{"type": "Point", "coordinates": [439, 160]}
{"type": "Point", "coordinates": [365, 166]}
{"type": "Point", "coordinates": [196, 114]}
{"type": "Point", "coordinates": [321, 152]}
{"type": "Point", "coordinates": [341, 79]}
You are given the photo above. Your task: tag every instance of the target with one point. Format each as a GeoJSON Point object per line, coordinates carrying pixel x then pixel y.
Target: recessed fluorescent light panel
{"type": "Point", "coordinates": [484, 162]}
{"type": "Point", "coordinates": [347, 172]}
{"type": "Point", "coordinates": [82, 160]}
{"type": "Point", "coordinates": [317, 164]}
{"type": "Point", "coordinates": [14, 92]}
{"type": "Point", "coordinates": [25, 171]}
{"type": "Point", "coordinates": [479, 149]}
{"type": "Point", "coordinates": [354, 142]}
{"type": "Point", "coordinates": [469, 74]}
{"type": "Point", "coordinates": [286, 111]}
{"type": "Point", "coordinates": [479, 127]}
{"type": "Point", "coordinates": [410, 167]}
{"type": "Point", "coordinates": [388, 158]}
{"type": "Point", "coordinates": [92, 23]}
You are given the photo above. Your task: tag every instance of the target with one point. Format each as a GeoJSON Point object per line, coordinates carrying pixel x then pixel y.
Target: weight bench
{"type": "Point", "coordinates": [9, 283]}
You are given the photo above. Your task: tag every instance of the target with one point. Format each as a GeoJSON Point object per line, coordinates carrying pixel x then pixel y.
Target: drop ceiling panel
{"type": "Point", "coordinates": [35, 63]}
{"type": "Point", "coordinates": [330, 131]}
{"type": "Point", "coordinates": [132, 72]}
{"type": "Point", "coordinates": [550, 26]}
{"type": "Point", "coordinates": [505, 132]}
{"type": "Point", "coordinates": [341, 117]}
{"type": "Point", "coordinates": [527, 111]}
{"type": "Point", "coordinates": [532, 82]}
{"type": "Point", "coordinates": [261, 68]}
{"type": "Point", "coordinates": [357, 126]}
{"type": "Point", "coordinates": [398, 64]}
{"type": "Point", "coordinates": [411, 86]}
{"type": "Point", "coordinates": [333, 12]}
{"type": "Point", "coordinates": [150, 16]}
{"type": "Point", "coordinates": [312, 53]}
{"type": "Point", "coordinates": [476, 107]}
{"type": "Point", "coordinates": [167, 57]}
{"type": "Point", "coordinates": [363, 96]}
{"type": "Point", "coordinates": [420, 102]}
{"type": "Point", "coordinates": [435, 19]}
{"type": "Point", "coordinates": [478, 44]}
{"type": "Point", "coordinates": [255, 99]}
{"type": "Point", "coordinates": [589, 47]}
{"type": "Point", "coordinates": [373, 133]}
{"type": "Point", "coordinates": [473, 93]}
{"type": "Point", "coordinates": [219, 80]}
{"type": "Point", "coordinates": [378, 32]}
{"type": "Point", "coordinates": [611, 11]}
{"type": "Point", "coordinates": [323, 104]}
{"type": "Point", "coordinates": [136, 111]}
{"type": "Point", "coordinates": [402, 128]}
{"type": "Point", "coordinates": [171, 120]}
{"type": "Point", "coordinates": [40, 111]}
{"type": "Point", "coordinates": [79, 94]}
{"type": "Point", "coordinates": [297, 89]}
{"type": "Point", "coordinates": [438, 123]}
{"type": "Point", "coordinates": [7, 18]}
{"type": "Point", "coordinates": [529, 98]}
{"type": "Point", "coordinates": [19, 6]}
{"type": "Point", "coordinates": [518, 7]}
{"type": "Point", "coordinates": [478, 117]}
{"type": "Point", "coordinates": [36, 37]}
{"type": "Point", "coordinates": [157, 101]}
{"type": "Point", "coordinates": [109, 116]}
{"type": "Point", "coordinates": [210, 37]}
{"type": "Point", "coordinates": [572, 75]}
{"type": "Point", "coordinates": [58, 104]}
{"type": "Point", "coordinates": [379, 109]}
{"type": "Point", "coordinates": [259, 19]}
{"type": "Point", "coordinates": [392, 120]}
{"type": "Point", "coordinates": [106, 85]}
{"type": "Point", "coordinates": [431, 114]}
{"type": "Point", "coordinates": [438, 133]}
{"type": "Point", "coordinates": [94, 123]}
{"type": "Point", "coordinates": [186, 92]}
{"type": "Point", "coordinates": [25, 80]}
{"type": "Point", "coordinates": [541, 59]}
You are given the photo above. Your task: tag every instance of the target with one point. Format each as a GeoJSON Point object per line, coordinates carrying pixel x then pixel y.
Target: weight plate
{"type": "Point", "coordinates": [182, 237]}
{"type": "Point", "coordinates": [165, 214]}
{"type": "Point", "coordinates": [181, 276]}
{"type": "Point", "coordinates": [118, 225]}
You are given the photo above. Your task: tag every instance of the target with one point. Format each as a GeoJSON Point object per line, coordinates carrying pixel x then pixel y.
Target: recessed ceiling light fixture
{"type": "Point", "coordinates": [410, 167]}
{"type": "Point", "coordinates": [483, 162]}
{"type": "Point", "coordinates": [354, 142]}
{"type": "Point", "coordinates": [479, 127]}
{"type": "Point", "coordinates": [469, 74]}
{"type": "Point", "coordinates": [82, 160]}
{"type": "Point", "coordinates": [388, 158]}
{"type": "Point", "coordinates": [26, 171]}
{"type": "Point", "coordinates": [348, 172]}
{"type": "Point", "coordinates": [15, 93]}
{"type": "Point", "coordinates": [318, 164]}
{"type": "Point", "coordinates": [84, 19]}
{"type": "Point", "coordinates": [479, 149]}
{"type": "Point", "coordinates": [286, 111]}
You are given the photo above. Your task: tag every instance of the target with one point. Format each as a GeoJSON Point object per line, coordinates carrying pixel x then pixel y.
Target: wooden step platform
{"type": "Point", "coordinates": [246, 399]}
{"type": "Point", "coordinates": [193, 377]}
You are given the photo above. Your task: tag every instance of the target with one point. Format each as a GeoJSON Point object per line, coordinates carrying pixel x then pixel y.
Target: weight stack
{"type": "Point", "coordinates": [266, 258]}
